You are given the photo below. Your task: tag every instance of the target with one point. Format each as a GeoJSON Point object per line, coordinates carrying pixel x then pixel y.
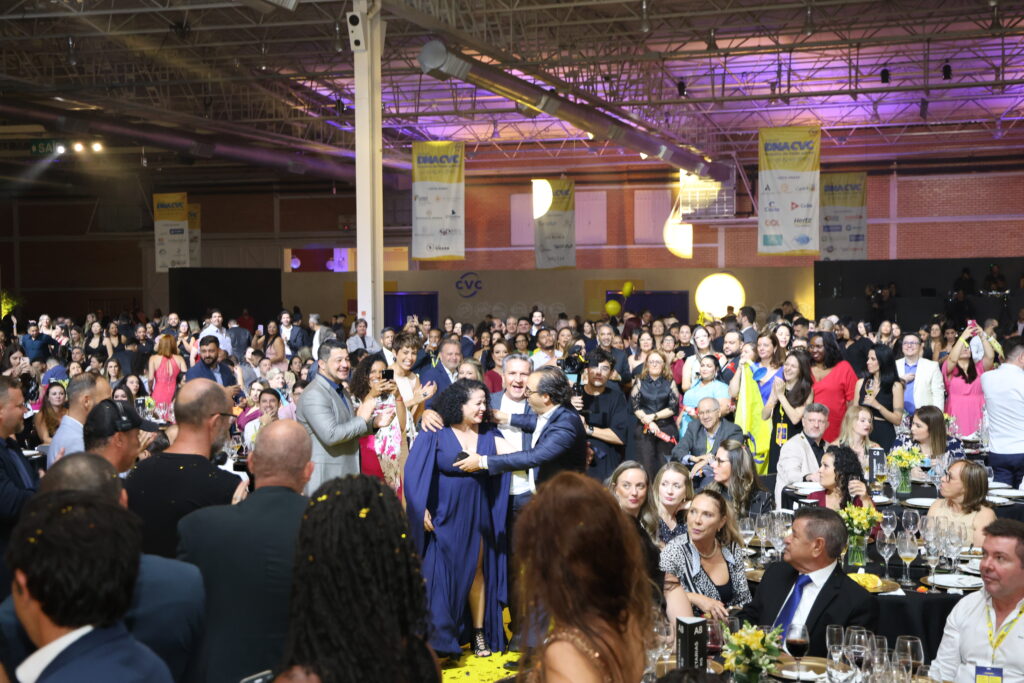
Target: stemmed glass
{"type": "Point", "coordinates": [889, 522]}
{"type": "Point", "coordinates": [858, 643]}
{"type": "Point", "coordinates": [762, 526]}
{"type": "Point", "coordinates": [716, 637]}
{"type": "Point", "coordinates": [886, 548]}
{"type": "Point", "coordinates": [906, 546]}
{"type": "Point", "coordinates": [798, 640]}
{"type": "Point", "coordinates": [779, 529]}
{"type": "Point", "coordinates": [911, 520]}
{"type": "Point", "coordinates": [951, 547]}
{"type": "Point", "coordinates": [747, 530]}
{"type": "Point", "coordinates": [932, 556]}
{"type": "Point", "coordinates": [909, 648]}
{"type": "Point", "coordinates": [834, 635]}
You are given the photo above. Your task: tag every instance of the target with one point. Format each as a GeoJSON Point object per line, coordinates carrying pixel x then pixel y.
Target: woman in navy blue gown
{"type": "Point", "coordinates": [458, 523]}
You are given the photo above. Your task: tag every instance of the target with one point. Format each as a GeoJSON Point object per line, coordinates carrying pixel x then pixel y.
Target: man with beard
{"type": "Point", "coordinates": [168, 485]}
{"type": "Point", "coordinates": [544, 354]}
{"type": "Point", "coordinates": [606, 417]}
{"type": "Point", "coordinates": [732, 342]}
{"type": "Point", "coordinates": [211, 368]}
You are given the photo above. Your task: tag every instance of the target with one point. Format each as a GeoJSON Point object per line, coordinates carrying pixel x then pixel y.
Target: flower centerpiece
{"type": "Point", "coordinates": [905, 458]}
{"type": "Point", "coordinates": [751, 651]}
{"type": "Point", "coordinates": [859, 522]}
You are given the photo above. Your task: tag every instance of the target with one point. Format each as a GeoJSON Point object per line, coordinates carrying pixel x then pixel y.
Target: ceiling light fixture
{"type": "Point", "coordinates": [645, 23]}
{"type": "Point", "coordinates": [78, 147]}
{"type": "Point", "coordinates": [339, 41]}
{"type": "Point", "coordinates": [61, 149]}
{"type": "Point", "coordinates": [923, 109]}
{"type": "Point", "coordinates": [997, 24]}
{"type": "Point", "coordinates": [947, 72]}
{"type": "Point", "coordinates": [712, 44]}
{"type": "Point", "coordinates": [97, 146]}
{"type": "Point", "coordinates": [885, 75]}
{"type": "Point", "coordinates": [72, 52]}
{"type": "Point", "coordinates": [681, 87]}
{"type": "Point", "coordinates": [809, 22]}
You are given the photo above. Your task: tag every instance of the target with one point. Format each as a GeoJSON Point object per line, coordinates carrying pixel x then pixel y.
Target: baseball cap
{"type": "Point", "coordinates": [109, 417]}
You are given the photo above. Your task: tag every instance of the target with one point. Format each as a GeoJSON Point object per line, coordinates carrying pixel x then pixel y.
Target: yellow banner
{"type": "Point", "coordinates": [794, 148]}
{"type": "Point", "coordinates": [438, 162]}
{"type": "Point", "coordinates": [195, 227]}
{"type": "Point", "coordinates": [563, 194]}
{"type": "Point", "coordinates": [170, 206]}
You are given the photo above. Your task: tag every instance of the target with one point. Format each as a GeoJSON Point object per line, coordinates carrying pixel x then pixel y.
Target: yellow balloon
{"type": "Point", "coordinates": [627, 289]}
{"type": "Point", "coordinates": [612, 307]}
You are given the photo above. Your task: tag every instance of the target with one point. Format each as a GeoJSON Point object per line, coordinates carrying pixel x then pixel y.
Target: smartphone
{"type": "Point", "coordinates": [462, 455]}
{"type": "Point", "coordinates": [259, 329]}
{"type": "Point", "coordinates": [388, 375]}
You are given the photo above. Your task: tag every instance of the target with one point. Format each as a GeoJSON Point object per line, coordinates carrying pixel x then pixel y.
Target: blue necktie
{"type": "Point", "coordinates": [789, 609]}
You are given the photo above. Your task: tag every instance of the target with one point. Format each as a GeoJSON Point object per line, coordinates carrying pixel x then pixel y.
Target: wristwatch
{"type": "Point", "coordinates": [590, 430]}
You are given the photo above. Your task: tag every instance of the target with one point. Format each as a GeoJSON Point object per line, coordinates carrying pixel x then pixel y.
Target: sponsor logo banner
{"type": "Point", "coordinates": [438, 201]}
{"type": "Point", "coordinates": [555, 232]}
{"type": "Point", "coordinates": [844, 213]}
{"type": "Point", "coordinates": [170, 230]}
{"type": "Point", "coordinates": [788, 190]}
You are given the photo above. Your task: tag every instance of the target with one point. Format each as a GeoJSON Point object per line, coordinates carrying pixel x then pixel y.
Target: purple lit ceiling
{"type": "Point", "coordinates": [705, 74]}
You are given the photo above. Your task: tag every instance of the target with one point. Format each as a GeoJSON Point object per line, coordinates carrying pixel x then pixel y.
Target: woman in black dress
{"type": "Point", "coordinates": [881, 390]}
{"type": "Point", "coordinates": [655, 403]}
{"type": "Point", "coordinates": [790, 394]}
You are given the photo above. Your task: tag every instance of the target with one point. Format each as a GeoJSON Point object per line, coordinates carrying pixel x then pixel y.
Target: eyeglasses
{"type": "Point", "coordinates": [529, 392]}
{"type": "Point", "coordinates": [911, 342]}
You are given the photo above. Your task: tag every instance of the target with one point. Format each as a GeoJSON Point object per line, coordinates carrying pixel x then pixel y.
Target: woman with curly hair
{"type": "Point", "coordinates": [382, 453]}
{"type": "Point", "coordinates": [458, 523]}
{"type": "Point", "coordinates": [358, 605]}
{"type": "Point", "coordinates": [843, 480]}
{"type": "Point", "coordinates": [582, 572]}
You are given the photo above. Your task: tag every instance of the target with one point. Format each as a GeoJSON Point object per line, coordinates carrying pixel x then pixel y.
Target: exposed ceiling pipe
{"type": "Point", "coordinates": [441, 63]}
{"type": "Point", "coordinates": [202, 147]}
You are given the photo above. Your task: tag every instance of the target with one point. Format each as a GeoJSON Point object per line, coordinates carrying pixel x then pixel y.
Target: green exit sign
{"type": "Point", "coordinates": [43, 148]}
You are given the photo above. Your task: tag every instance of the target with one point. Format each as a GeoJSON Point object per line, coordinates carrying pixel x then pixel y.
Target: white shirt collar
{"type": "Point", "coordinates": [820, 576]}
{"type": "Point", "coordinates": [33, 667]}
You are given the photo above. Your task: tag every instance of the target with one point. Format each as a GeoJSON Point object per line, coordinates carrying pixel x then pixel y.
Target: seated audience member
{"type": "Point", "coordinates": [598, 604]}
{"type": "Point", "coordinates": [74, 617]}
{"type": "Point", "coordinates": [963, 491]}
{"type": "Point", "coordinates": [269, 406]}
{"type": "Point", "coordinates": [245, 553]}
{"type": "Point", "coordinates": [168, 485]}
{"type": "Point", "coordinates": [856, 433]}
{"type": "Point", "coordinates": [673, 492]}
{"type": "Point", "coordinates": [703, 437]}
{"type": "Point", "coordinates": [112, 431]}
{"type": "Point", "coordinates": [707, 386]}
{"type": "Point", "coordinates": [843, 480]}
{"type": "Point", "coordinates": [53, 410]}
{"type": "Point", "coordinates": [84, 392]}
{"type": "Point", "coordinates": [166, 612]}
{"type": "Point", "coordinates": [704, 568]}
{"type": "Point", "coordinates": [800, 456]}
{"type": "Point", "coordinates": [734, 475]}
{"type": "Point", "coordinates": [928, 432]}
{"type": "Point", "coordinates": [984, 630]}
{"type": "Point", "coordinates": [354, 549]}
{"type": "Point", "coordinates": [810, 585]}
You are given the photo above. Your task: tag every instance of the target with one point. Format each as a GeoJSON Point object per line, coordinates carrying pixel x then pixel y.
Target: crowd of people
{"type": "Point", "coordinates": [312, 490]}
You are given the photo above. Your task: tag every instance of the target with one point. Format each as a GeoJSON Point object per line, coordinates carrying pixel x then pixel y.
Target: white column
{"type": "Point", "coordinates": [369, 181]}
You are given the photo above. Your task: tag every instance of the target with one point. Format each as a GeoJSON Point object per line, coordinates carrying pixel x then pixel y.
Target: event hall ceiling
{"type": "Point", "coordinates": [888, 81]}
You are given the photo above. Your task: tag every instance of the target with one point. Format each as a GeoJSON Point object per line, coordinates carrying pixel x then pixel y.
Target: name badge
{"type": "Point", "coordinates": [988, 674]}
{"type": "Point", "coordinates": [781, 433]}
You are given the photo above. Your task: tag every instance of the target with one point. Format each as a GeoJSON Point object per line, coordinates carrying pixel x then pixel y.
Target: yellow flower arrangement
{"type": "Point", "coordinates": [751, 650]}
{"type": "Point", "coordinates": [905, 458]}
{"type": "Point", "coordinates": [860, 521]}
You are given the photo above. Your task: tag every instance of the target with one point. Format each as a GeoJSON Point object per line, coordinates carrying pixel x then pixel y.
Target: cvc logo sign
{"type": "Point", "coordinates": [468, 285]}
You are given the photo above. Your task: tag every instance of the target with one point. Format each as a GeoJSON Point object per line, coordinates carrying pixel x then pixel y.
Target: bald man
{"type": "Point", "coordinates": [245, 553]}
{"type": "Point", "coordinates": [167, 486]}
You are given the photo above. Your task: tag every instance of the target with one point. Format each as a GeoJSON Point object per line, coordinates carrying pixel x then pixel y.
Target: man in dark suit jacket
{"type": "Point", "coordinates": [704, 436]}
{"type": "Point", "coordinates": [241, 338]}
{"type": "Point", "coordinates": [18, 479]}
{"type": "Point", "coordinates": [167, 608]}
{"type": "Point", "coordinates": [209, 365]}
{"type": "Point", "coordinates": [468, 342]}
{"type": "Point", "coordinates": [245, 553]}
{"type": "Point", "coordinates": [559, 441]}
{"type": "Point", "coordinates": [444, 373]}
{"type": "Point", "coordinates": [810, 586]}
{"type": "Point", "coordinates": [73, 617]}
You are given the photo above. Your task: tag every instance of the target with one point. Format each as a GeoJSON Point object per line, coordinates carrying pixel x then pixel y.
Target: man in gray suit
{"type": "Point", "coordinates": [703, 436]}
{"type": "Point", "coordinates": [326, 411]}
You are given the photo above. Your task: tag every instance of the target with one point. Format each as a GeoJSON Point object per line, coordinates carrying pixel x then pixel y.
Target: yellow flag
{"type": "Point", "coordinates": [749, 405]}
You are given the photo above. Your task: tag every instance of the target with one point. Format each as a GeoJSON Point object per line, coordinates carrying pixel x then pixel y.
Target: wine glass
{"type": "Point", "coordinates": [664, 634]}
{"type": "Point", "coordinates": [906, 546]}
{"type": "Point", "coordinates": [834, 635]}
{"type": "Point", "coordinates": [889, 522]}
{"type": "Point", "coordinates": [747, 530]}
{"type": "Point", "coordinates": [886, 548]}
{"type": "Point", "coordinates": [909, 648]}
{"type": "Point", "coordinates": [762, 525]}
{"type": "Point", "coordinates": [911, 520]}
{"type": "Point", "coordinates": [798, 640]}
{"type": "Point", "coordinates": [858, 643]}
{"type": "Point", "coordinates": [881, 474]}
{"type": "Point", "coordinates": [716, 637]}
{"type": "Point", "coordinates": [838, 671]}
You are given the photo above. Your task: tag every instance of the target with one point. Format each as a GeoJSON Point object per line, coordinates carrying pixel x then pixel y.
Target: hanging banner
{"type": "Point", "coordinates": [554, 233]}
{"type": "Point", "coordinates": [788, 180]}
{"type": "Point", "coordinates": [170, 230]}
{"type": "Point", "coordinates": [195, 245]}
{"type": "Point", "coordinates": [844, 216]}
{"type": "Point", "coordinates": [438, 201]}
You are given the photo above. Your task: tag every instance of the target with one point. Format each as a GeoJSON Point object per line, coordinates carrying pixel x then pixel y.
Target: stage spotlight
{"type": "Point", "coordinates": [947, 72]}
{"type": "Point", "coordinates": [885, 76]}
{"type": "Point", "coordinates": [809, 22]}
{"type": "Point", "coordinates": [97, 146]}
{"type": "Point", "coordinates": [61, 149]}
{"type": "Point", "coordinates": [711, 43]}
{"type": "Point", "coordinates": [923, 108]}
{"type": "Point", "coordinates": [681, 87]}
{"type": "Point", "coordinates": [78, 147]}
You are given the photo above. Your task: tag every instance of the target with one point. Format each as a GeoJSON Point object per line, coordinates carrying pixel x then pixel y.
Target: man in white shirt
{"type": "Point", "coordinates": [544, 354]}
{"type": "Point", "coordinates": [387, 345]}
{"type": "Point", "coordinates": [270, 404]}
{"type": "Point", "coordinates": [84, 392]}
{"type": "Point", "coordinates": [1004, 401]}
{"type": "Point", "coordinates": [536, 322]}
{"type": "Point", "coordinates": [800, 457]}
{"type": "Point", "coordinates": [217, 329]}
{"type": "Point", "coordinates": [922, 377]}
{"type": "Point", "coordinates": [984, 633]}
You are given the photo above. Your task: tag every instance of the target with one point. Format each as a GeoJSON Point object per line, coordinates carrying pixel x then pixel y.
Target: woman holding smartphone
{"type": "Point", "coordinates": [382, 454]}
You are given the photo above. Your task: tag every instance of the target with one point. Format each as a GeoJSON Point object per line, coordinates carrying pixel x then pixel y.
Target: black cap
{"type": "Point", "coordinates": [109, 417]}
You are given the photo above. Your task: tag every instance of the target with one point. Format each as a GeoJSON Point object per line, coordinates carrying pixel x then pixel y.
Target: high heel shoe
{"type": "Point", "coordinates": [480, 648]}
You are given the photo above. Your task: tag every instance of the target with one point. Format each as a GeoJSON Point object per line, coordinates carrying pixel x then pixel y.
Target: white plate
{"type": "Point", "coordinates": [1011, 493]}
{"type": "Point", "coordinates": [919, 502]}
{"type": "Point", "coordinates": [805, 487]}
{"type": "Point", "coordinates": [958, 581]}
{"type": "Point", "coordinates": [805, 675]}
{"type": "Point", "coordinates": [31, 453]}
{"type": "Point", "coordinates": [998, 485]}
{"type": "Point", "coordinates": [972, 566]}
{"type": "Point", "coordinates": [997, 500]}
{"type": "Point", "coordinates": [964, 555]}
{"type": "Point", "coordinates": [881, 500]}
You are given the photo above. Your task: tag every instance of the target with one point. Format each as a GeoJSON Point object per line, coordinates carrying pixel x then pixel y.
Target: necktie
{"type": "Point", "coordinates": [789, 609]}
{"type": "Point", "coordinates": [341, 393]}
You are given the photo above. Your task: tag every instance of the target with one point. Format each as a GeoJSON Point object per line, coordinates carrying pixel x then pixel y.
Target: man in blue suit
{"type": "Point", "coordinates": [446, 371]}
{"type": "Point", "coordinates": [18, 479]}
{"type": "Point", "coordinates": [75, 558]}
{"type": "Point", "coordinates": [167, 607]}
{"type": "Point", "coordinates": [211, 368]}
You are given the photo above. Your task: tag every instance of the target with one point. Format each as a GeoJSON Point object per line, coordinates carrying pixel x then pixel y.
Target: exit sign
{"type": "Point", "coordinates": [43, 148]}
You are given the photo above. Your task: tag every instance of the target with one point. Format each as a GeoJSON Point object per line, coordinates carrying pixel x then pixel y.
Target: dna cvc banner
{"type": "Point", "coordinates": [554, 231]}
{"type": "Point", "coordinates": [438, 201]}
{"type": "Point", "coordinates": [170, 230]}
{"type": "Point", "coordinates": [788, 179]}
{"type": "Point", "coordinates": [844, 216]}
